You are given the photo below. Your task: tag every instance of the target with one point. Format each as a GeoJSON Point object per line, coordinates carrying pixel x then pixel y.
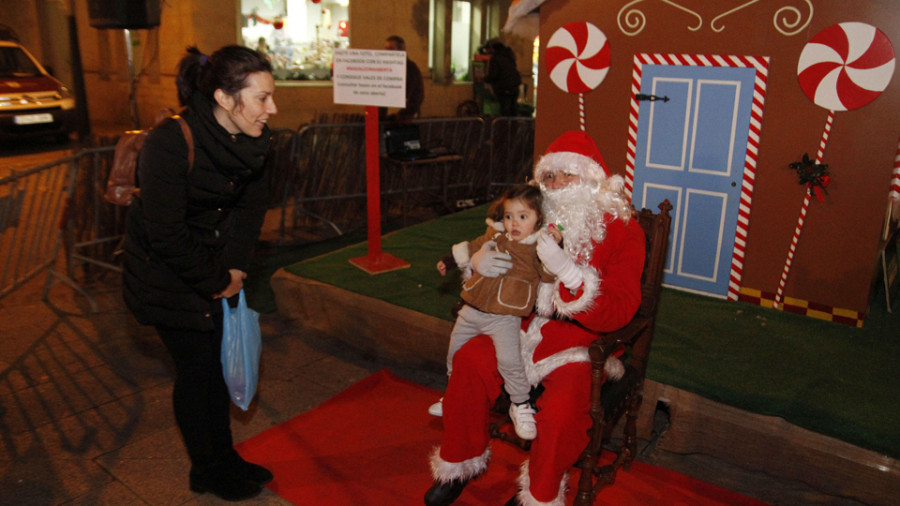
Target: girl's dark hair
{"type": "Point", "coordinates": [529, 194]}
{"type": "Point", "coordinates": [226, 69]}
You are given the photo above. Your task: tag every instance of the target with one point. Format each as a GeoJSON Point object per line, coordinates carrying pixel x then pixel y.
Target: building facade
{"type": "Point", "coordinates": [436, 38]}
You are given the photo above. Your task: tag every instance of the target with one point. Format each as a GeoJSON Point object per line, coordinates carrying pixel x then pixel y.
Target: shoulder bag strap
{"type": "Point", "coordinates": [189, 138]}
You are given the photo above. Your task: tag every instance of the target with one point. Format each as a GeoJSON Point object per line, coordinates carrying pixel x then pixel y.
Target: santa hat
{"type": "Point", "coordinates": [575, 153]}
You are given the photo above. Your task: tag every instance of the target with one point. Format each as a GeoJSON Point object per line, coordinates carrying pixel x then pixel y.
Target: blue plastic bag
{"type": "Point", "coordinates": [241, 348]}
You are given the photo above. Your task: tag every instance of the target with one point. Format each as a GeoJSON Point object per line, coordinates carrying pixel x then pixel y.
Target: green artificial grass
{"type": "Point", "coordinates": [830, 378]}
{"type": "Point", "coordinates": [420, 286]}
{"type": "Point", "coordinates": [827, 377]}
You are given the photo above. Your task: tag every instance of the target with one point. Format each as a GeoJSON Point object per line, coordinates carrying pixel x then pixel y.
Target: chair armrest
{"type": "Point", "coordinates": [607, 342]}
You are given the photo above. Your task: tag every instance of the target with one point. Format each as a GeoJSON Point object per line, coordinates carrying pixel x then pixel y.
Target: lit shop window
{"type": "Point", "coordinates": [460, 40]}
{"type": "Point", "coordinates": [299, 36]}
{"type": "Point", "coordinates": [469, 24]}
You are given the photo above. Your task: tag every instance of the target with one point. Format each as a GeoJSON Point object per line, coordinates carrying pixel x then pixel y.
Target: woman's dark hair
{"type": "Point", "coordinates": [226, 69]}
{"type": "Point", "coordinates": [529, 194]}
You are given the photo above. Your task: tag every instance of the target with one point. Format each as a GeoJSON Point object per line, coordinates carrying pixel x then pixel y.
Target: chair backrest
{"type": "Point", "coordinates": [610, 399]}
{"type": "Point", "coordinates": [656, 229]}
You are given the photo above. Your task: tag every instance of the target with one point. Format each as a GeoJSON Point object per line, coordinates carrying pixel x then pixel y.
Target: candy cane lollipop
{"type": "Point", "coordinates": [894, 194]}
{"type": "Point", "coordinates": [843, 67]}
{"type": "Point", "coordinates": [578, 59]}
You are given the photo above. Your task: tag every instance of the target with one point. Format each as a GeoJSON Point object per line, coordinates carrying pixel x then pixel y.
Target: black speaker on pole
{"type": "Point", "coordinates": [130, 14]}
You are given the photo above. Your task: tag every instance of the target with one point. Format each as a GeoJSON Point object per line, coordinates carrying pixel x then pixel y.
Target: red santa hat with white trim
{"type": "Point", "coordinates": [573, 152]}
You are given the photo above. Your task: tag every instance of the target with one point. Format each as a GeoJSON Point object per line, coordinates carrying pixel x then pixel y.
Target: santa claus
{"type": "Point", "coordinates": [597, 289]}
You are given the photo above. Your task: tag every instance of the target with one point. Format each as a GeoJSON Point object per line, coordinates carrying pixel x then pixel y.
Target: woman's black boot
{"type": "Point", "coordinates": [220, 480]}
{"type": "Point", "coordinates": [248, 470]}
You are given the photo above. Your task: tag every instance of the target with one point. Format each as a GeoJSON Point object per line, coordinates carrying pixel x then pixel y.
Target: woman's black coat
{"type": "Point", "coordinates": [189, 227]}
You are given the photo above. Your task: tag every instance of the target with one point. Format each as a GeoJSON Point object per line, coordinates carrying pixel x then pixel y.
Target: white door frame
{"type": "Point", "coordinates": [761, 64]}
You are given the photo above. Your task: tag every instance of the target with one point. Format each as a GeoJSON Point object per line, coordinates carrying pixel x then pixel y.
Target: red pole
{"type": "Point", "coordinates": [376, 261]}
{"type": "Point", "coordinates": [373, 183]}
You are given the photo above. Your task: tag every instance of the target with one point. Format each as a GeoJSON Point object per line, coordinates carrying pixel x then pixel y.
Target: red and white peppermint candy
{"type": "Point", "coordinates": [846, 66]}
{"type": "Point", "coordinates": [578, 57]}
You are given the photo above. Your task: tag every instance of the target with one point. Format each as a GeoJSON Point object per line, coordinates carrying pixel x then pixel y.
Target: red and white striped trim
{"type": "Point", "coordinates": [804, 208]}
{"type": "Point", "coordinates": [581, 111]}
{"type": "Point", "coordinates": [895, 178]}
{"type": "Point", "coordinates": [761, 64]}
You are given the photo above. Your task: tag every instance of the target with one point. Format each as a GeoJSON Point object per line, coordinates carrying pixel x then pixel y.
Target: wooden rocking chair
{"type": "Point", "coordinates": [610, 400]}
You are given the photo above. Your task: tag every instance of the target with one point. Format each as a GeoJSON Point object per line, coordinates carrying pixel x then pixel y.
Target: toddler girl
{"type": "Point", "coordinates": [495, 305]}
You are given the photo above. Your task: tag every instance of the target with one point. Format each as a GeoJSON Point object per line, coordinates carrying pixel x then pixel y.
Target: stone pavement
{"type": "Point", "coordinates": [86, 417]}
{"type": "Point", "coordinates": [85, 399]}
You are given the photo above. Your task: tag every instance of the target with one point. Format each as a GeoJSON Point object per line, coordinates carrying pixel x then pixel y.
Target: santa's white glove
{"type": "Point", "coordinates": [558, 262]}
{"type": "Point", "coordinates": [489, 262]}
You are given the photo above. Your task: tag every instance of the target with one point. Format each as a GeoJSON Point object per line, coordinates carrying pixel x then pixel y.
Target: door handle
{"type": "Point", "coordinates": [651, 98]}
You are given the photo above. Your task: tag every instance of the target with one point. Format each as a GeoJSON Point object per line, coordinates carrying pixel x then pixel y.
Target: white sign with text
{"type": "Point", "coordinates": [370, 77]}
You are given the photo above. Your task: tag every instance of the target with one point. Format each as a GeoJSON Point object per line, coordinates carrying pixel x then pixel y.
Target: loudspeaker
{"type": "Point", "coordinates": [131, 14]}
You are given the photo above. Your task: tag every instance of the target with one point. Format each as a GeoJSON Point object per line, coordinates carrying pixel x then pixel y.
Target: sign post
{"type": "Point", "coordinates": [373, 79]}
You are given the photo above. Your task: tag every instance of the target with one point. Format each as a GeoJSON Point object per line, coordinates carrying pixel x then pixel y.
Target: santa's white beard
{"type": "Point", "coordinates": [580, 209]}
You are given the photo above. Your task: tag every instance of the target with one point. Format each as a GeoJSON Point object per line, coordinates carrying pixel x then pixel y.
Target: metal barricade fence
{"type": "Point", "coordinates": [315, 174]}
{"type": "Point", "coordinates": [35, 206]}
{"type": "Point", "coordinates": [325, 181]}
{"type": "Point", "coordinates": [512, 153]}
{"type": "Point", "coordinates": [465, 137]}
{"type": "Point", "coordinates": [319, 173]}
{"type": "Point", "coordinates": [95, 229]}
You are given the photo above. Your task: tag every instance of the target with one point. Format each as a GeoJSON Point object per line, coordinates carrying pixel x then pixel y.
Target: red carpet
{"type": "Point", "coordinates": [369, 445]}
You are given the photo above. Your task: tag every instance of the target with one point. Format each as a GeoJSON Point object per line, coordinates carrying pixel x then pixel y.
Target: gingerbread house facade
{"type": "Point", "coordinates": [772, 127]}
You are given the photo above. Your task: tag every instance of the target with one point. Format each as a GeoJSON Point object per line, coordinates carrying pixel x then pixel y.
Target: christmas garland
{"type": "Point", "coordinates": [813, 175]}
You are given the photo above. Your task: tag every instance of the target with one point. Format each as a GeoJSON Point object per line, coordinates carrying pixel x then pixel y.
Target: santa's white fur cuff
{"type": "Point", "coordinates": [524, 494]}
{"type": "Point", "coordinates": [443, 471]}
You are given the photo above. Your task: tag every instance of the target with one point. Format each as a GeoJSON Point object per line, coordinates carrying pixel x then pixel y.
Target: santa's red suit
{"type": "Point", "coordinates": [557, 357]}
{"type": "Point", "coordinates": [555, 350]}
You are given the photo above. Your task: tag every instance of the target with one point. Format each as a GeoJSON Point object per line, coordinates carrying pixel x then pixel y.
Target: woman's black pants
{"type": "Point", "coordinates": [200, 397]}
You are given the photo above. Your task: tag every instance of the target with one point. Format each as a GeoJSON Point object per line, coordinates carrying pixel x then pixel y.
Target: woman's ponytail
{"type": "Point", "coordinates": [190, 73]}
{"type": "Point", "coordinates": [226, 69]}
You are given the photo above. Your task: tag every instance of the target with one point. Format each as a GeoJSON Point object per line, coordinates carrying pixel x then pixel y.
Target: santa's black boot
{"type": "Point", "coordinates": [444, 493]}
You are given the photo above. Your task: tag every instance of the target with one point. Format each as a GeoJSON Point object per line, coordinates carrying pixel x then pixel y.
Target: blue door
{"type": "Point", "coordinates": [690, 149]}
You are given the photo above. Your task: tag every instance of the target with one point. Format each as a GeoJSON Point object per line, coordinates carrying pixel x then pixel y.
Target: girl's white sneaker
{"type": "Point", "coordinates": [437, 409]}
